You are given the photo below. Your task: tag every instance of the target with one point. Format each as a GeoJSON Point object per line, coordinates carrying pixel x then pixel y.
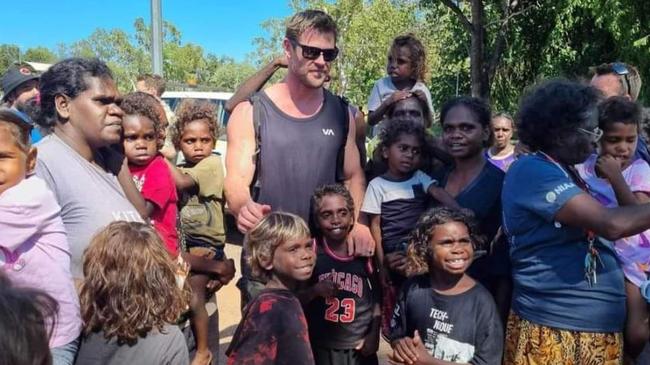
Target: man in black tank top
{"type": "Point", "coordinates": [300, 134]}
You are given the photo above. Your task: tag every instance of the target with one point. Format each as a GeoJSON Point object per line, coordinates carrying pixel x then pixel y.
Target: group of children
{"type": "Point", "coordinates": [320, 305]}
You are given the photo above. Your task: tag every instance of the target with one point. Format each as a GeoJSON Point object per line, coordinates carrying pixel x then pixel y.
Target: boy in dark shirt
{"type": "Point", "coordinates": [273, 329]}
{"type": "Point", "coordinates": [343, 312]}
{"type": "Point", "coordinates": [445, 316]}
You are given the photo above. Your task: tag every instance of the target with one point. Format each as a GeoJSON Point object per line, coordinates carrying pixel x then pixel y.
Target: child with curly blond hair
{"type": "Point", "coordinates": [442, 314]}
{"type": "Point", "coordinates": [130, 299]}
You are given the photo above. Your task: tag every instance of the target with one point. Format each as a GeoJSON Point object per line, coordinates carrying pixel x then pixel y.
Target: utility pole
{"type": "Point", "coordinates": [156, 37]}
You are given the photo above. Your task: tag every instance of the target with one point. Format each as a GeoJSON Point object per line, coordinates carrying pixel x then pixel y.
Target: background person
{"type": "Point", "coordinates": [20, 88]}
{"type": "Point", "coordinates": [502, 152]}
{"type": "Point", "coordinates": [155, 86]}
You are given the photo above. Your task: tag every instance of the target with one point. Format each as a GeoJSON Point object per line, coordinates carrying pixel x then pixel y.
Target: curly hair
{"type": "Point", "coordinates": [27, 318]}
{"type": "Point", "coordinates": [418, 53]}
{"type": "Point", "coordinates": [552, 108]}
{"type": "Point", "coordinates": [618, 109]}
{"type": "Point", "coordinates": [68, 77]}
{"type": "Point", "coordinates": [479, 107]}
{"type": "Point", "coordinates": [419, 252]}
{"type": "Point", "coordinates": [269, 233]}
{"type": "Point", "coordinates": [191, 110]}
{"type": "Point", "coordinates": [317, 199]}
{"type": "Point", "coordinates": [395, 128]}
{"type": "Point", "coordinates": [129, 285]}
{"type": "Point", "coordinates": [145, 105]}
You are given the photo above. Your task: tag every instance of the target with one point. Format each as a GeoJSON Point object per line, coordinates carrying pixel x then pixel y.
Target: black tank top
{"type": "Point", "coordinates": [342, 321]}
{"type": "Point", "coordinates": [297, 155]}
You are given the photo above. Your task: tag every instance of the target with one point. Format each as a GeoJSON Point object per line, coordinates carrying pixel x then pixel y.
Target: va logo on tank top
{"type": "Point", "coordinates": [328, 131]}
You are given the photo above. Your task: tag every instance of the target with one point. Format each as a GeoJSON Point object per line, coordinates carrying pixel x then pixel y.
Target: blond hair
{"type": "Point", "coordinates": [310, 19]}
{"type": "Point", "coordinates": [129, 285]}
{"type": "Point", "coordinates": [269, 233]}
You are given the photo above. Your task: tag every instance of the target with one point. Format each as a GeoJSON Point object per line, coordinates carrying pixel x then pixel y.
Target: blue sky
{"type": "Point", "coordinates": [222, 27]}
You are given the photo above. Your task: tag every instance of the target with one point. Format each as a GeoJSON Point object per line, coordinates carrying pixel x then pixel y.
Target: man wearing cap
{"type": "Point", "coordinates": [20, 92]}
{"type": "Point", "coordinates": [19, 86]}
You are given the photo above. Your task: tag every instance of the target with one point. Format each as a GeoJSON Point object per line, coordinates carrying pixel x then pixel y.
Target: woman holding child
{"type": "Point", "coordinates": [569, 296]}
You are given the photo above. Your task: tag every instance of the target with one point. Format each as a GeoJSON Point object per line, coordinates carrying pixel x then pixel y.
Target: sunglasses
{"type": "Point", "coordinates": [312, 53]}
{"type": "Point", "coordinates": [596, 133]}
{"type": "Point", "coordinates": [621, 69]}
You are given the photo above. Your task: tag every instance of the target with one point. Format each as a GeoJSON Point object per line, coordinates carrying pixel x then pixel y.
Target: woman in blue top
{"type": "Point", "coordinates": [568, 302]}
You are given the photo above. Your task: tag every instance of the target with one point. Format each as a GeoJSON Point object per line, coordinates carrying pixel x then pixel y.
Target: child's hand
{"type": "Point", "coordinates": [404, 351]}
{"type": "Point", "coordinates": [396, 261]}
{"type": "Point", "coordinates": [409, 351]}
{"type": "Point", "coordinates": [607, 167]}
{"type": "Point", "coordinates": [370, 344]}
{"type": "Point", "coordinates": [213, 286]}
{"type": "Point", "coordinates": [397, 96]}
{"type": "Point", "coordinates": [226, 271]}
{"type": "Point", "coordinates": [326, 289]}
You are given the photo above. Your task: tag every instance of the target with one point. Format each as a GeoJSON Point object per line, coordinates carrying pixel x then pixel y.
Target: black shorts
{"type": "Point", "coordinates": [327, 356]}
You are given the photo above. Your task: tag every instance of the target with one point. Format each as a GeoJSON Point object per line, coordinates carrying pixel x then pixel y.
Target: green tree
{"type": "Point", "coordinates": [9, 54]}
{"type": "Point", "coordinates": [40, 54]}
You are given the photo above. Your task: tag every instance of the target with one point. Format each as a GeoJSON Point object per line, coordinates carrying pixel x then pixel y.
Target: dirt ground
{"type": "Point", "coordinates": [229, 310]}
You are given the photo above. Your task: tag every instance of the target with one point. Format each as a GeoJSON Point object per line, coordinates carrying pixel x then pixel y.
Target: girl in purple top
{"type": "Point", "coordinates": [502, 152]}
{"type": "Point", "coordinates": [34, 250]}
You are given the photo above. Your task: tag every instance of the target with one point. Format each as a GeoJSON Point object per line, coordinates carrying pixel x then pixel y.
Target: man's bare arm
{"type": "Point", "coordinates": [255, 82]}
{"type": "Point", "coordinates": [360, 242]}
{"type": "Point", "coordinates": [240, 168]}
{"type": "Point", "coordinates": [355, 180]}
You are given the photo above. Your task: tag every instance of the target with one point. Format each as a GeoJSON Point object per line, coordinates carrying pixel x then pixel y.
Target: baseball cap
{"type": "Point", "coordinates": [14, 77]}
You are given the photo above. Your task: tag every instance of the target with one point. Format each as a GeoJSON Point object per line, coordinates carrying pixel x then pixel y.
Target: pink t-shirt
{"type": "Point", "coordinates": [155, 183]}
{"type": "Point", "coordinates": [34, 251]}
{"type": "Point", "coordinates": [633, 251]}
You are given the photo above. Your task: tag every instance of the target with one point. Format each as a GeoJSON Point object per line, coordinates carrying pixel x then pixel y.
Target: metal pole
{"type": "Point", "coordinates": [156, 37]}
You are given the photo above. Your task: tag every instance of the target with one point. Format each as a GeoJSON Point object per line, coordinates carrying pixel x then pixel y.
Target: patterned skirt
{"type": "Point", "coordinates": [532, 344]}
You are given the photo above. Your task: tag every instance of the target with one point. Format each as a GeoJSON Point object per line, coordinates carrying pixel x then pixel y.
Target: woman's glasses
{"type": "Point", "coordinates": [312, 53]}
